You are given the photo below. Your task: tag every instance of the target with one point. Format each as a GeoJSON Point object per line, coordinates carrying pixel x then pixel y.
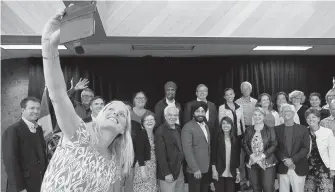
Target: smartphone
{"type": "Point", "coordinates": [78, 23]}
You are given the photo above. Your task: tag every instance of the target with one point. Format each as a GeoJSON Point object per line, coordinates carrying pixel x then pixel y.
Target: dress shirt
{"type": "Point", "coordinates": [203, 128]}
{"type": "Point", "coordinates": [173, 103]}
{"type": "Point", "coordinates": [32, 127]}
{"type": "Point", "coordinates": [248, 105]}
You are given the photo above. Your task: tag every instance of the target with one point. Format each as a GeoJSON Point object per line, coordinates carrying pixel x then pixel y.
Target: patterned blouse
{"type": "Point", "coordinates": [77, 167]}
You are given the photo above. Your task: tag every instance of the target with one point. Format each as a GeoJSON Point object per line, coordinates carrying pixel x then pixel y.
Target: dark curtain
{"type": "Point", "coordinates": [120, 78]}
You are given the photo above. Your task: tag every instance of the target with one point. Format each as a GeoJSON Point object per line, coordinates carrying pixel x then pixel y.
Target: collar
{"type": "Point", "coordinates": [93, 118]}
{"type": "Point", "coordinates": [200, 100]}
{"type": "Point", "coordinates": [202, 124]}
{"type": "Point", "coordinates": [168, 126]}
{"type": "Point", "coordinates": [331, 117]}
{"type": "Point", "coordinates": [227, 107]}
{"type": "Point", "coordinates": [170, 103]}
{"type": "Point", "coordinates": [32, 127]}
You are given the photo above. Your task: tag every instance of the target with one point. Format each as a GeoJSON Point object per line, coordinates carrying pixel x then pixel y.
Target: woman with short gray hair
{"type": "Point", "coordinates": [298, 98]}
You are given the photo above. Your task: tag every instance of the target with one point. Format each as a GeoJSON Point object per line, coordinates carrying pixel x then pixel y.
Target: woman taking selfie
{"type": "Point", "coordinates": [88, 158]}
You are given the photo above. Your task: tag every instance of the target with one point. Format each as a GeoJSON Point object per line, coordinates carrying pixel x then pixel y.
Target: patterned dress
{"type": "Point", "coordinates": [77, 167]}
{"type": "Point", "coordinates": [318, 178]}
{"type": "Point", "coordinates": [150, 184]}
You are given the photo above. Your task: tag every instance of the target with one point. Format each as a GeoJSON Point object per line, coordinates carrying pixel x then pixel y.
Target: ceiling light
{"type": "Point", "coordinates": [163, 47]}
{"type": "Point", "coordinates": [282, 48]}
{"type": "Point", "coordinates": [27, 46]}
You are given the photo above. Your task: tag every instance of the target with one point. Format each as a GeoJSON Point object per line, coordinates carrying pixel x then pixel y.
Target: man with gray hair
{"type": "Point", "coordinates": [169, 153]}
{"type": "Point", "coordinates": [292, 149]}
{"type": "Point", "coordinates": [329, 97]}
{"type": "Point", "coordinates": [170, 89]}
{"type": "Point", "coordinates": [248, 105]}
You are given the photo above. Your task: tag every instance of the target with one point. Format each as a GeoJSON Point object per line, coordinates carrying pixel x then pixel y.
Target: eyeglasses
{"type": "Point", "coordinates": [87, 96]}
{"type": "Point", "coordinates": [172, 115]}
{"type": "Point", "coordinates": [140, 98]}
{"type": "Point", "coordinates": [147, 120]}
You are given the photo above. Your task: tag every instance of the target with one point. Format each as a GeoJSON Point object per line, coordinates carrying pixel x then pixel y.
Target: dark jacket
{"type": "Point", "coordinates": [24, 156]}
{"type": "Point", "coordinates": [87, 119]}
{"type": "Point", "coordinates": [159, 111]}
{"type": "Point", "coordinates": [135, 129]}
{"type": "Point", "coordinates": [143, 148]}
{"type": "Point", "coordinates": [300, 149]}
{"type": "Point", "coordinates": [169, 152]}
{"type": "Point", "coordinates": [269, 143]}
{"type": "Point", "coordinates": [212, 122]}
{"type": "Point", "coordinates": [219, 154]}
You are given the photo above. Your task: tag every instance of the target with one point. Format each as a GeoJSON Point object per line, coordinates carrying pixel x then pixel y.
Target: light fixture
{"type": "Point", "coordinates": [163, 47]}
{"type": "Point", "coordinates": [282, 48]}
{"type": "Point", "coordinates": [27, 47]}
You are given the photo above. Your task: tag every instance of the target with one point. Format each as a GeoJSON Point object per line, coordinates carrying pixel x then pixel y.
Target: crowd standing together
{"type": "Point", "coordinates": [121, 146]}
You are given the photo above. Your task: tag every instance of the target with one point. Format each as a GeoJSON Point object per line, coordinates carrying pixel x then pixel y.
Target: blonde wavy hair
{"type": "Point", "coordinates": [122, 146]}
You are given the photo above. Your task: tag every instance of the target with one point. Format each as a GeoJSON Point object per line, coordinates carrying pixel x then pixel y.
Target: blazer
{"type": "Point", "coordinates": [169, 152]}
{"type": "Point", "coordinates": [225, 111]}
{"type": "Point", "coordinates": [300, 149]}
{"type": "Point", "coordinates": [143, 148]}
{"type": "Point", "coordinates": [195, 147]}
{"type": "Point", "coordinates": [25, 163]}
{"type": "Point", "coordinates": [159, 111]}
{"type": "Point", "coordinates": [269, 143]}
{"type": "Point", "coordinates": [325, 142]}
{"type": "Point", "coordinates": [212, 122]}
{"type": "Point", "coordinates": [219, 158]}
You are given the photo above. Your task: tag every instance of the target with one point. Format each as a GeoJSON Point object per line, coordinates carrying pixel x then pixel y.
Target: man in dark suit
{"type": "Point", "coordinates": [24, 150]}
{"type": "Point", "coordinates": [96, 104]}
{"type": "Point", "coordinates": [211, 114]}
{"type": "Point", "coordinates": [293, 147]}
{"type": "Point", "coordinates": [196, 146]}
{"type": "Point", "coordinates": [169, 153]}
{"type": "Point", "coordinates": [169, 100]}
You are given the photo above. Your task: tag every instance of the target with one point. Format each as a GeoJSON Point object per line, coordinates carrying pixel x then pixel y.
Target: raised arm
{"type": "Point", "coordinates": [66, 116]}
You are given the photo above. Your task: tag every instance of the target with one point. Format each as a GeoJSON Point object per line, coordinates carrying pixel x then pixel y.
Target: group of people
{"type": "Point", "coordinates": [122, 146]}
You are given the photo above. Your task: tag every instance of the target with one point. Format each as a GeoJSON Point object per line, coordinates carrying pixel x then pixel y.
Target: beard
{"type": "Point", "coordinates": [200, 118]}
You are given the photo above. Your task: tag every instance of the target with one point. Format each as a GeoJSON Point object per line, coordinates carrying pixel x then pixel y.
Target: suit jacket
{"type": "Point", "coordinates": [195, 147]}
{"type": "Point", "coordinates": [219, 157]}
{"type": "Point", "coordinates": [159, 111]}
{"type": "Point", "coordinates": [300, 149]}
{"type": "Point", "coordinates": [169, 152]}
{"type": "Point", "coordinates": [212, 122]}
{"type": "Point", "coordinates": [25, 164]}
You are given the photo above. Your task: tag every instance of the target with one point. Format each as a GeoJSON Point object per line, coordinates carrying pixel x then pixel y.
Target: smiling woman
{"type": "Point", "coordinates": [88, 158]}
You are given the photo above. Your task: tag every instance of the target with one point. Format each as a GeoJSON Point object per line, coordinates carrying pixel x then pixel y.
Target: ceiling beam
{"type": "Point", "coordinates": [15, 39]}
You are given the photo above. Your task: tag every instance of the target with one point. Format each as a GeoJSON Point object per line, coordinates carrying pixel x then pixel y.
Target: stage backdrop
{"type": "Point", "coordinates": [120, 78]}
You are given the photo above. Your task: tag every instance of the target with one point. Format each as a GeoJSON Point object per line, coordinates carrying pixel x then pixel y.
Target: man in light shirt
{"type": "Point", "coordinates": [248, 105]}
{"type": "Point", "coordinates": [24, 150]}
{"type": "Point", "coordinates": [170, 89]}
{"type": "Point", "coordinates": [195, 137]}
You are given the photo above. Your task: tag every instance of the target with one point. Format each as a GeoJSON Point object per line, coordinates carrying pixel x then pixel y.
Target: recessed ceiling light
{"type": "Point", "coordinates": [282, 48]}
{"type": "Point", "coordinates": [27, 46]}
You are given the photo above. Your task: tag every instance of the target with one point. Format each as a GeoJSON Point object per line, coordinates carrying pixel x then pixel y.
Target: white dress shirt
{"type": "Point", "coordinates": [203, 128]}
{"type": "Point", "coordinates": [32, 127]}
{"type": "Point", "coordinates": [173, 103]}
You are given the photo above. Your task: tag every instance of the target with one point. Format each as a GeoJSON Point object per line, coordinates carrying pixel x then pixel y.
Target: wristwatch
{"type": "Point", "coordinates": [263, 156]}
